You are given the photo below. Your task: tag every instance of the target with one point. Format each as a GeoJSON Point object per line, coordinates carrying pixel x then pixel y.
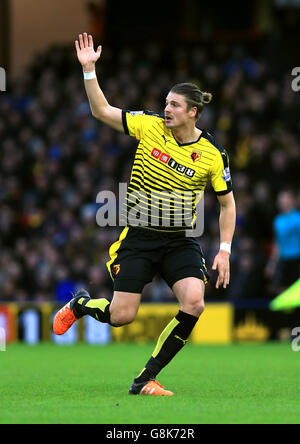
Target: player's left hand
{"type": "Point", "coordinates": [221, 263]}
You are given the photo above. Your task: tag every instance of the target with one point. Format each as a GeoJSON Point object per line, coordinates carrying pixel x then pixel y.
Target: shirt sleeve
{"type": "Point", "coordinates": [137, 123]}
{"type": "Point", "coordinates": [220, 174]}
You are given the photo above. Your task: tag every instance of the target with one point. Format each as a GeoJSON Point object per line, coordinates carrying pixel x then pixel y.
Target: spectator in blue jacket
{"type": "Point", "coordinates": [285, 257]}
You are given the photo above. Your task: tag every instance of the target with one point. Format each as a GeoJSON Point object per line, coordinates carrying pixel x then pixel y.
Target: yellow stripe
{"type": "Point", "coordinates": [151, 179]}
{"type": "Point", "coordinates": [139, 187]}
{"type": "Point", "coordinates": [166, 209]}
{"type": "Point", "coordinates": [159, 194]}
{"type": "Point", "coordinates": [113, 251]}
{"type": "Point", "coordinates": [98, 303]}
{"type": "Point", "coordinates": [158, 180]}
{"type": "Point", "coordinates": [166, 202]}
{"type": "Point", "coordinates": [142, 371]}
{"type": "Point", "coordinates": [165, 334]}
{"type": "Point", "coordinates": [204, 276]}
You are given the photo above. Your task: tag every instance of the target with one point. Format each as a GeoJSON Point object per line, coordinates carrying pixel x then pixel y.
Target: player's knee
{"type": "Point", "coordinates": [194, 306]}
{"type": "Point", "coordinates": [200, 308]}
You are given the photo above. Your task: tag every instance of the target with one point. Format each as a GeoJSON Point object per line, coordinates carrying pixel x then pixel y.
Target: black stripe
{"type": "Point", "coordinates": [151, 189]}
{"type": "Point", "coordinates": [162, 200]}
{"type": "Point", "coordinates": [136, 188]}
{"type": "Point", "coordinates": [151, 180]}
{"type": "Point", "coordinates": [164, 213]}
{"type": "Point", "coordinates": [161, 196]}
{"type": "Point", "coordinates": [224, 156]}
{"type": "Point", "coordinates": [175, 210]}
{"type": "Point", "coordinates": [124, 121]}
{"type": "Point", "coordinates": [190, 143]}
{"type": "Point", "coordinates": [214, 142]}
{"type": "Point", "coordinates": [145, 171]}
{"type": "Point", "coordinates": [163, 190]}
{"type": "Point", "coordinates": [151, 113]}
{"type": "Point", "coordinates": [223, 193]}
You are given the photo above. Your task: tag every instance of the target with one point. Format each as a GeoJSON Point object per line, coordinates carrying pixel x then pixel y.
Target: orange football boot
{"type": "Point", "coordinates": [66, 317]}
{"type": "Point", "coordinates": [151, 388]}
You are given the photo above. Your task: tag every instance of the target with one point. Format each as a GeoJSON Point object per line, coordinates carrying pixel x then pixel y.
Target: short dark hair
{"type": "Point", "coordinates": [193, 96]}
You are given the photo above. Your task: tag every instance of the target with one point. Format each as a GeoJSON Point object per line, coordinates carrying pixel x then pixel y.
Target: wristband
{"type": "Point", "coordinates": [89, 75]}
{"type": "Point", "coordinates": [225, 246]}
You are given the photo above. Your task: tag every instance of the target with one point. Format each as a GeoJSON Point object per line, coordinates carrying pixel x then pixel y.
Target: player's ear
{"type": "Point", "coordinates": [193, 111]}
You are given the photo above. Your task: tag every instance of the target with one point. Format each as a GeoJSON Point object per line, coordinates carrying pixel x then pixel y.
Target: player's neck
{"type": "Point", "coordinates": [186, 135]}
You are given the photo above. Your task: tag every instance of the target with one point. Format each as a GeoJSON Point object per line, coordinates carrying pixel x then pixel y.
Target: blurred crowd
{"type": "Point", "coordinates": [55, 158]}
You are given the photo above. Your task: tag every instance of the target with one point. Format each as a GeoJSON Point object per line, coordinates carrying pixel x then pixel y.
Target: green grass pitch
{"type": "Point", "coordinates": [52, 384]}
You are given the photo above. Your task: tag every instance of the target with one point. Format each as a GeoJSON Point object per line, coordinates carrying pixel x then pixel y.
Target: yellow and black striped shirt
{"type": "Point", "coordinates": [167, 177]}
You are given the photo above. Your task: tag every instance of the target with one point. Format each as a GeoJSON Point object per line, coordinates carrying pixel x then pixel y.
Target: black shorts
{"type": "Point", "coordinates": [140, 254]}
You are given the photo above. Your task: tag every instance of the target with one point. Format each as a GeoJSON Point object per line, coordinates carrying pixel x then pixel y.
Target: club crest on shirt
{"type": "Point", "coordinates": [196, 156]}
{"type": "Point", "coordinates": [117, 269]}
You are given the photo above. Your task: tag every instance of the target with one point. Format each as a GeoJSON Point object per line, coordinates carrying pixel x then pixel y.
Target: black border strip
{"type": "Point", "coordinates": [124, 121]}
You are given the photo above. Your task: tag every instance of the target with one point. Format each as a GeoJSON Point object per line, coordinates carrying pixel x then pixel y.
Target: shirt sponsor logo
{"type": "Point", "coordinates": [156, 153]}
{"type": "Point", "coordinates": [166, 159]}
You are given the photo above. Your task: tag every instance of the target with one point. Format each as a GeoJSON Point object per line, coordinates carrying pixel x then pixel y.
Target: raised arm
{"type": "Point", "coordinates": [100, 107]}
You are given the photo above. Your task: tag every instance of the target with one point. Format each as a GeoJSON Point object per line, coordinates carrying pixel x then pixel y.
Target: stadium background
{"type": "Point", "coordinates": [55, 157]}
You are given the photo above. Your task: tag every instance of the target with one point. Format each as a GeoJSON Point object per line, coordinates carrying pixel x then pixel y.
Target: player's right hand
{"type": "Point", "coordinates": [86, 54]}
